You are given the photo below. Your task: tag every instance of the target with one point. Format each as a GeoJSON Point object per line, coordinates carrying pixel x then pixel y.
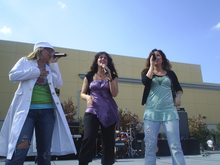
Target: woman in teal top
{"type": "Point", "coordinates": [162, 94]}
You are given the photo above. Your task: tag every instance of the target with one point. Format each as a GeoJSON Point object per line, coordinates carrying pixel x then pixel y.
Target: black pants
{"type": "Point", "coordinates": [91, 126]}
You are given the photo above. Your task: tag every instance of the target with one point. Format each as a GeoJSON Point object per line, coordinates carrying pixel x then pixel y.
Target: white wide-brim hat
{"type": "Point", "coordinates": [43, 44]}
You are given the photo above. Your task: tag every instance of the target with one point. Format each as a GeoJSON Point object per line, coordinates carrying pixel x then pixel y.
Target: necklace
{"type": "Point", "coordinates": [42, 65]}
{"type": "Point", "coordinates": [99, 75]}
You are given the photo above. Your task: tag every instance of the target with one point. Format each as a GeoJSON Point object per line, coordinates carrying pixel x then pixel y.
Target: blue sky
{"type": "Point", "coordinates": [188, 31]}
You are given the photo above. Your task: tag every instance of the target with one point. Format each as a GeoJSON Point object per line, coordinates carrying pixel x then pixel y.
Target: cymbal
{"type": "Point", "coordinates": [117, 131]}
{"type": "Point", "coordinates": [130, 123]}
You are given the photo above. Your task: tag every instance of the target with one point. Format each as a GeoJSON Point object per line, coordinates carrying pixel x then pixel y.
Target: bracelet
{"type": "Point", "coordinates": [110, 80]}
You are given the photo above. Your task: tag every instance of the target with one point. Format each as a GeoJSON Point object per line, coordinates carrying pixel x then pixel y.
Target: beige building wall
{"type": "Point", "coordinates": [198, 97]}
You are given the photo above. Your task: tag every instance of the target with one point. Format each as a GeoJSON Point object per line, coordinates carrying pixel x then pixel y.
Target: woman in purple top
{"type": "Point", "coordinates": [100, 85]}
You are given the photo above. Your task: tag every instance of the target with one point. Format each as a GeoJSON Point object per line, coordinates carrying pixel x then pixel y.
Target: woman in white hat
{"type": "Point", "coordinates": [36, 110]}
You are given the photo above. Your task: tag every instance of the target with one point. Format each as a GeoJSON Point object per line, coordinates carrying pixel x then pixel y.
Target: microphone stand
{"type": "Point", "coordinates": [135, 136]}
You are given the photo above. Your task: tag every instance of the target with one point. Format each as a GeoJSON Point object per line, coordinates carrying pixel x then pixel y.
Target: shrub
{"type": "Point", "coordinates": [126, 121]}
{"type": "Point", "coordinates": [198, 128]}
{"type": "Point", "coordinates": [69, 110]}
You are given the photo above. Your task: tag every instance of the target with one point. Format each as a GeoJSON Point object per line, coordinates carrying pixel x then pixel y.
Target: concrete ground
{"type": "Point", "coordinates": [213, 158]}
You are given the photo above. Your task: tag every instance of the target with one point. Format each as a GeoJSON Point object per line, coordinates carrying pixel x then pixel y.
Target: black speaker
{"type": "Point", "coordinates": [139, 145]}
{"type": "Point", "coordinates": [74, 128]}
{"type": "Point", "coordinates": [183, 124]}
{"type": "Point", "coordinates": [190, 147]}
{"type": "Point", "coordinates": [140, 136]}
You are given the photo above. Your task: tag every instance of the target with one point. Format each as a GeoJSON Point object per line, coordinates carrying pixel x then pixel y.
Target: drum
{"type": "Point", "coordinates": [130, 138]}
{"type": "Point", "coordinates": [124, 136]}
{"type": "Point", "coordinates": [117, 139]}
{"type": "Point", "coordinates": [121, 149]}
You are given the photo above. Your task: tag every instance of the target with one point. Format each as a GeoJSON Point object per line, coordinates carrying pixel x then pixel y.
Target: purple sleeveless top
{"type": "Point", "coordinates": [104, 106]}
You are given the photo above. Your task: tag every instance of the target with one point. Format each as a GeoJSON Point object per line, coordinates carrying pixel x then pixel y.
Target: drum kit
{"type": "Point", "coordinates": [123, 143]}
{"type": "Point", "coordinates": [124, 140]}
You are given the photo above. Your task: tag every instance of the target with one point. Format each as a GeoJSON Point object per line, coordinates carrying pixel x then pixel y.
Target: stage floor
{"type": "Point", "coordinates": [212, 159]}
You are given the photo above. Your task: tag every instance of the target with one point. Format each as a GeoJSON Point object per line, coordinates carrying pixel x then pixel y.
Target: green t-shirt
{"type": "Point", "coordinates": [41, 92]}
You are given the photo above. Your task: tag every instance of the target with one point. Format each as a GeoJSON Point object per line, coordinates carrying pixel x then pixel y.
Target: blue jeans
{"type": "Point", "coordinates": [151, 130]}
{"type": "Point", "coordinates": [43, 121]}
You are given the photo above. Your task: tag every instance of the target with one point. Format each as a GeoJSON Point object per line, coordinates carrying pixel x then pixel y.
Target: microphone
{"type": "Point", "coordinates": [106, 72]}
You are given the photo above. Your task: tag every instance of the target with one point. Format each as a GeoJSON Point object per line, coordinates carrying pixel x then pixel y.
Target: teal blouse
{"type": "Point", "coordinates": [159, 104]}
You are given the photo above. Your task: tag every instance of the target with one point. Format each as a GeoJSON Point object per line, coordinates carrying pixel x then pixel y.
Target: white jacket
{"type": "Point", "coordinates": [26, 72]}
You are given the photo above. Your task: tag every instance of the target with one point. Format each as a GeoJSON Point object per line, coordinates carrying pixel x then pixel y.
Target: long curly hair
{"type": "Point", "coordinates": [94, 66]}
{"type": "Point", "coordinates": [166, 62]}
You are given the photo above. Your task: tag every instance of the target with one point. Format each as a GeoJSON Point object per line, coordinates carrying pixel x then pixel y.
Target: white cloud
{"type": "Point", "coordinates": [62, 5]}
{"type": "Point", "coordinates": [5, 30]}
{"type": "Point", "coordinates": [217, 26]}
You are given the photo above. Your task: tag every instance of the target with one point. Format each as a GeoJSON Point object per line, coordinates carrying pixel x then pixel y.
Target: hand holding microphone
{"type": "Point", "coordinates": [103, 65]}
{"type": "Point", "coordinates": [152, 58]}
{"type": "Point", "coordinates": [55, 56]}
{"type": "Point", "coordinates": [107, 72]}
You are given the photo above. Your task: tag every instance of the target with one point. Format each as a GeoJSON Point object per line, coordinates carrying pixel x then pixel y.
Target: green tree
{"type": "Point", "coordinates": [217, 133]}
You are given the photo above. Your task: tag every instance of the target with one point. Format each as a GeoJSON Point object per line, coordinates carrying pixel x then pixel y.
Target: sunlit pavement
{"type": "Point", "coordinates": [213, 158]}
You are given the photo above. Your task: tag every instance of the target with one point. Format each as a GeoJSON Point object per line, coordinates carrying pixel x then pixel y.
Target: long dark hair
{"type": "Point", "coordinates": [94, 66]}
{"type": "Point", "coordinates": [166, 62]}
